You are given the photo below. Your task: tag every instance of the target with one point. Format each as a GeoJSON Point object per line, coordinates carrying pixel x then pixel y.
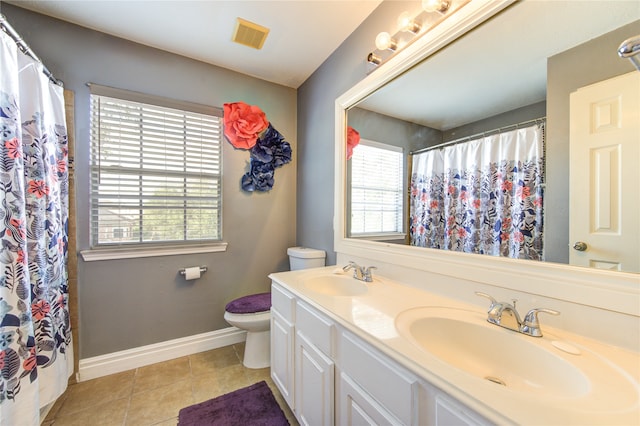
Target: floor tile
{"type": "Point", "coordinates": [217, 359]}
{"type": "Point", "coordinates": [170, 422]}
{"type": "Point", "coordinates": [110, 413]}
{"type": "Point", "coordinates": [81, 395]}
{"type": "Point", "coordinates": [219, 382]}
{"type": "Point", "coordinates": [159, 404]}
{"type": "Point", "coordinates": [161, 374]}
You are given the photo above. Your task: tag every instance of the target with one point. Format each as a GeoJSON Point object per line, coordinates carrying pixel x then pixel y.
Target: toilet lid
{"type": "Point", "coordinates": [250, 304]}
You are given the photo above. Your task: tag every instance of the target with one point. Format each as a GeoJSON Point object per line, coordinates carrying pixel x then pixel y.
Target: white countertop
{"type": "Point", "coordinates": [372, 316]}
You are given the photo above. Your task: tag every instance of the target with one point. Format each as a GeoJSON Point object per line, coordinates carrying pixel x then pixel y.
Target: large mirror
{"type": "Point", "coordinates": [515, 68]}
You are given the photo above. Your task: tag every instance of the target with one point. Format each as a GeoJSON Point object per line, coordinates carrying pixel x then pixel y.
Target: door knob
{"type": "Point", "coordinates": [580, 246]}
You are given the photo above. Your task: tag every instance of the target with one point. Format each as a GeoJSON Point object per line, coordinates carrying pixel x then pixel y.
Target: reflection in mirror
{"type": "Point", "coordinates": [521, 65]}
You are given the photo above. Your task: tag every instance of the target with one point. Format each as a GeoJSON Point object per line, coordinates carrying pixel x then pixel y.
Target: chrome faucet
{"type": "Point", "coordinates": [505, 315]}
{"type": "Point", "coordinates": [360, 272]}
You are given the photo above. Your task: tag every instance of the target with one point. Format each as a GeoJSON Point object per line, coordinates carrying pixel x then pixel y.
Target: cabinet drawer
{"type": "Point", "coordinates": [316, 327]}
{"type": "Point", "coordinates": [393, 387]}
{"type": "Point", "coordinates": [449, 412]}
{"type": "Point", "coordinates": [283, 302]}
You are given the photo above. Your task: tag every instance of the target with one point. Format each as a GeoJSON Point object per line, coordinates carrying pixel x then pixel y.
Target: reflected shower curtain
{"type": "Point", "coordinates": [483, 196]}
{"type": "Point", "coordinates": [36, 357]}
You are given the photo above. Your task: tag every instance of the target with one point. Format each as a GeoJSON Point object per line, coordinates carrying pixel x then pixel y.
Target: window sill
{"type": "Point", "coordinates": [131, 253]}
{"type": "Point", "coordinates": [382, 236]}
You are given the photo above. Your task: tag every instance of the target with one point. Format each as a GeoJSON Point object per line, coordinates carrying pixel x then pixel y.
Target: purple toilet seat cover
{"type": "Point", "coordinates": [251, 304]}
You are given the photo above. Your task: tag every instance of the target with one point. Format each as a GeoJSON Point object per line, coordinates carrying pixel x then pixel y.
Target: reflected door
{"type": "Point", "coordinates": [605, 174]}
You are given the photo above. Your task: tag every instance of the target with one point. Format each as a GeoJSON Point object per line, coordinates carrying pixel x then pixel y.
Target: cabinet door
{"type": "Point", "coordinates": [282, 338]}
{"type": "Point", "coordinates": [314, 384]}
{"type": "Point", "coordinates": [357, 408]}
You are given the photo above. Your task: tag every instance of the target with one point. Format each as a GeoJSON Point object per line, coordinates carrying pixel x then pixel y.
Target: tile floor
{"type": "Point", "coordinates": [154, 394]}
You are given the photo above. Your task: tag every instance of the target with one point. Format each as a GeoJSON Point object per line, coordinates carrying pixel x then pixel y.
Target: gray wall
{"type": "Point", "coordinates": [392, 131]}
{"type": "Point", "coordinates": [129, 303]}
{"type": "Point", "coordinates": [519, 115]}
{"type": "Point", "coordinates": [316, 125]}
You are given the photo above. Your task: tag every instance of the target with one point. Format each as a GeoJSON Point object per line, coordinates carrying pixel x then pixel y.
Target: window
{"type": "Point", "coordinates": [155, 170]}
{"type": "Point", "coordinates": [376, 189]}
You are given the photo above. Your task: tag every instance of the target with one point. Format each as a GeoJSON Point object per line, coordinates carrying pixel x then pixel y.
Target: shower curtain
{"type": "Point", "coordinates": [36, 356]}
{"type": "Point", "coordinates": [483, 196]}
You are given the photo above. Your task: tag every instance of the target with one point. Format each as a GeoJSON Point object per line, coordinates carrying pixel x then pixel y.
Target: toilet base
{"type": "Point", "coordinates": [257, 349]}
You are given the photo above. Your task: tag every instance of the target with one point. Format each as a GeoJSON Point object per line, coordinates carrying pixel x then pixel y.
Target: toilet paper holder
{"type": "Point", "coordinates": [183, 271]}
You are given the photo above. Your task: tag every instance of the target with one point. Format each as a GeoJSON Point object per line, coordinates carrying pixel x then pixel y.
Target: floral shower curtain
{"type": "Point", "coordinates": [36, 356]}
{"type": "Point", "coordinates": [483, 196]}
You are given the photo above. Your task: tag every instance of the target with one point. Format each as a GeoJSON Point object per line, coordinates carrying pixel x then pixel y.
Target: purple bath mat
{"type": "Point", "coordinates": [253, 405]}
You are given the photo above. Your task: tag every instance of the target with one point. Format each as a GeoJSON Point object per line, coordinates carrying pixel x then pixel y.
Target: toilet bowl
{"type": "Point", "coordinates": [253, 312]}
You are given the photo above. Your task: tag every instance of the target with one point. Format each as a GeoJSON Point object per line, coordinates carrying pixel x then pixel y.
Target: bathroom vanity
{"type": "Point", "coordinates": [348, 352]}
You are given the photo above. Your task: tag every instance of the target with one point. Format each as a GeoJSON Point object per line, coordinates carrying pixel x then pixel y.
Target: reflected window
{"type": "Point", "coordinates": [376, 190]}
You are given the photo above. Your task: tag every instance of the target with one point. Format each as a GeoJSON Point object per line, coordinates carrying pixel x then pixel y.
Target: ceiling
{"type": "Point", "coordinates": [303, 33]}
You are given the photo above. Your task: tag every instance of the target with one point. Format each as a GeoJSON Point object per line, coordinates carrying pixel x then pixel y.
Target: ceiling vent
{"type": "Point", "coordinates": [250, 34]}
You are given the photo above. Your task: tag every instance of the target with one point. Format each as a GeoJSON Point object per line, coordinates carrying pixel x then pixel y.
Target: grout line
{"type": "Point", "coordinates": [133, 384]}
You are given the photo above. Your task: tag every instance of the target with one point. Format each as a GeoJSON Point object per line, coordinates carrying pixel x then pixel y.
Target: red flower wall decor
{"type": "Point", "coordinates": [353, 139]}
{"type": "Point", "coordinates": [243, 123]}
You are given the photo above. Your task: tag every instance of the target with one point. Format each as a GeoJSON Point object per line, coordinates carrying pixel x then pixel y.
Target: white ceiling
{"type": "Point", "coordinates": [303, 33]}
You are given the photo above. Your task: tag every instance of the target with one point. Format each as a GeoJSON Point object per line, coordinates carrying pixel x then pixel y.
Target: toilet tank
{"type": "Point", "coordinates": [303, 258]}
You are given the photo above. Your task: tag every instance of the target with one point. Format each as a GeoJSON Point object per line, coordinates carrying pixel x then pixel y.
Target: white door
{"type": "Point", "coordinates": [605, 174]}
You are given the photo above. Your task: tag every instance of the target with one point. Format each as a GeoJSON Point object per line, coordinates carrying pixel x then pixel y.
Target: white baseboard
{"type": "Point", "coordinates": [116, 362]}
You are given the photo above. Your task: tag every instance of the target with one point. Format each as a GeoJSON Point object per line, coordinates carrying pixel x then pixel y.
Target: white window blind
{"type": "Point", "coordinates": [376, 189]}
{"type": "Point", "coordinates": [156, 170]}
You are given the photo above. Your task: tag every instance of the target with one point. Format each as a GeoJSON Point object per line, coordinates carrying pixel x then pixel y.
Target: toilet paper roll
{"type": "Point", "coordinates": [192, 273]}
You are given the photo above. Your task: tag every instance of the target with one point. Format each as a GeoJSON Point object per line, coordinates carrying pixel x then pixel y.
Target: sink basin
{"type": "Point", "coordinates": [464, 340]}
{"type": "Point", "coordinates": [336, 285]}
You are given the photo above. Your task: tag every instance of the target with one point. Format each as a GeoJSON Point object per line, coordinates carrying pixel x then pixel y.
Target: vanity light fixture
{"type": "Point", "coordinates": [374, 59]}
{"type": "Point", "coordinates": [408, 24]}
{"type": "Point", "coordinates": [435, 5]}
{"type": "Point", "coordinates": [384, 41]}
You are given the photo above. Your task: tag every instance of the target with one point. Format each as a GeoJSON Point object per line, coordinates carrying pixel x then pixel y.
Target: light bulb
{"type": "Point", "coordinates": [384, 42]}
{"type": "Point", "coordinates": [435, 5]}
{"type": "Point", "coordinates": [406, 23]}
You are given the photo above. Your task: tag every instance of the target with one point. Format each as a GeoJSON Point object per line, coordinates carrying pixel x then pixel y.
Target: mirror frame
{"type": "Point", "coordinates": [611, 290]}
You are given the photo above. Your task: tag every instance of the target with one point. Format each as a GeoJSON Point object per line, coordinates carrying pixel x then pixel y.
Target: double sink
{"type": "Point", "coordinates": [462, 340]}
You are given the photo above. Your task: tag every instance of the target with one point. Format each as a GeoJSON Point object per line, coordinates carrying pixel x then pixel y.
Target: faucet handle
{"type": "Point", "coordinates": [488, 296]}
{"type": "Point", "coordinates": [531, 325]}
{"type": "Point", "coordinates": [350, 265]}
{"type": "Point", "coordinates": [367, 273]}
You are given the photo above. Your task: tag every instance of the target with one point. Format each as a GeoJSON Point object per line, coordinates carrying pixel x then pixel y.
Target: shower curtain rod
{"type": "Point", "coordinates": [630, 49]}
{"type": "Point", "coordinates": [477, 135]}
{"type": "Point", "coordinates": [24, 47]}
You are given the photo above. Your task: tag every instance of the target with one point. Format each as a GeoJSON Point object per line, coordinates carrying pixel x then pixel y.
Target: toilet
{"type": "Point", "coordinates": [252, 312]}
